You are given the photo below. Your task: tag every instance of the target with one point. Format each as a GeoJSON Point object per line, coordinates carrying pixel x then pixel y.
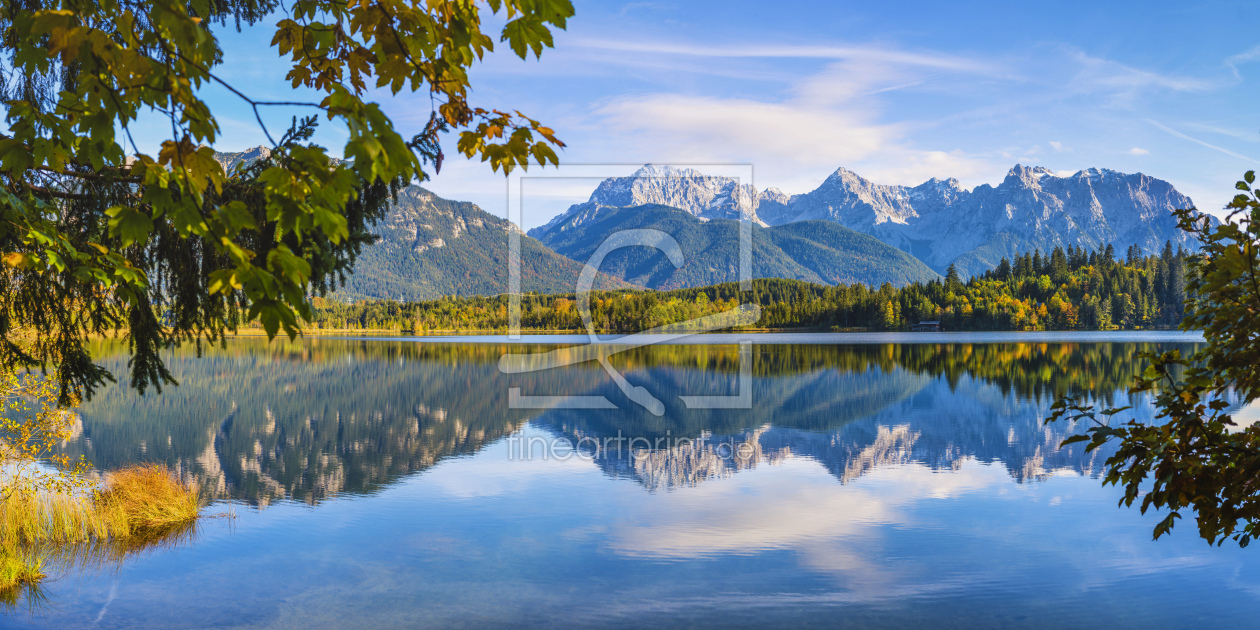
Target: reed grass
{"type": "Point", "coordinates": [19, 569]}
{"type": "Point", "coordinates": [146, 500]}
{"type": "Point", "coordinates": [138, 508]}
{"type": "Point", "coordinates": [31, 519]}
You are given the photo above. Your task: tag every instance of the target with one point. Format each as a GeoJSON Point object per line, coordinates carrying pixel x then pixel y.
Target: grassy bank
{"type": "Point", "coordinates": [136, 508]}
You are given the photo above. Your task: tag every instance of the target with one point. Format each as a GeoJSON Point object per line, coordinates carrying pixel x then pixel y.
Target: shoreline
{"type": "Point", "coordinates": [800, 338]}
{"type": "Point", "coordinates": [378, 332]}
{"type": "Point", "coordinates": [325, 332]}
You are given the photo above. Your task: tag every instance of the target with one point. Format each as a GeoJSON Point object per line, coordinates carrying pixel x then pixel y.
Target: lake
{"type": "Point", "coordinates": [827, 480]}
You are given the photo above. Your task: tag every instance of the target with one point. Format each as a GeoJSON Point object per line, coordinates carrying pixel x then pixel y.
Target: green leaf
{"type": "Point", "coordinates": [129, 225]}
{"type": "Point", "coordinates": [1073, 440]}
{"type": "Point", "coordinates": [235, 216]}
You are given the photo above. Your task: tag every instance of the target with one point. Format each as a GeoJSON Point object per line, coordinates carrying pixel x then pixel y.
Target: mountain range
{"type": "Point", "coordinates": [846, 230]}
{"type": "Point", "coordinates": [939, 222]}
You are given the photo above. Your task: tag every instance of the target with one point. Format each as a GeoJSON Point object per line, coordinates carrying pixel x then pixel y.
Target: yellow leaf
{"type": "Point", "coordinates": [16, 260]}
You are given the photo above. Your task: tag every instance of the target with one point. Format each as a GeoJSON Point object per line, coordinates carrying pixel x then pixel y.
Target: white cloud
{"type": "Point", "coordinates": [768, 516]}
{"type": "Point", "coordinates": [825, 120]}
{"type": "Point", "coordinates": [846, 81]}
{"type": "Point", "coordinates": [697, 128]}
{"type": "Point", "coordinates": [793, 144]}
{"type": "Point", "coordinates": [1058, 147]}
{"type": "Point", "coordinates": [1138, 151]}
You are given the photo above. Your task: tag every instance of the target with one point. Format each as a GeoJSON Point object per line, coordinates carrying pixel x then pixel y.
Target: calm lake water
{"type": "Point", "coordinates": [870, 482]}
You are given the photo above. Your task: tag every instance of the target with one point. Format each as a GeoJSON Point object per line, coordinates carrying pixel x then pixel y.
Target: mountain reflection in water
{"type": "Point", "coordinates": [315, 418]}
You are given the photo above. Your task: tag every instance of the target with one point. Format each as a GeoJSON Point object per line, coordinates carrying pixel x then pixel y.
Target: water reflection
{"type": "Point", "coordinates": [850, 422]}
{"type": "Point", "coordinates": [58, 560]}
{"type": "Point", "coordinates": [884, 486]}
{"type": "Point", "coordinates": [312, 419]}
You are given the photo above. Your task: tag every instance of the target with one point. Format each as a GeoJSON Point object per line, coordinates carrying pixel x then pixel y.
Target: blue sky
{"type": "Point", "coordinates": [897, 92]}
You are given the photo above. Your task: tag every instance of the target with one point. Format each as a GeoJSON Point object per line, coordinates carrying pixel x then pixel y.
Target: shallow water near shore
{"type": "Point", "coordinates": [873, 481]}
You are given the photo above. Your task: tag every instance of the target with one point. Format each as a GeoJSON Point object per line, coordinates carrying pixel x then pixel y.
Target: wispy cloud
{"type": "Point", "coordinates": [1249, 136]}
{"type": "Point", "coordinates": [1233, 61]}
{"type": "Point", "coordinates": [1183, 136]}
{"type": "Point", "coordinates": [1124, 83]}
{"type": "Point", "coordinates": [632, 7]}
{"type": "Point", "coordinates": [825, 120]}
{"type": "Point", "coordinates": [864, 53]}
{"type": "Point", "coordinates": [1138, 151]}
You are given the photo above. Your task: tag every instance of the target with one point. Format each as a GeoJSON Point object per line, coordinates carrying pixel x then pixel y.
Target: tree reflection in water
{"type": "Point", "coordinates": [315, 418]}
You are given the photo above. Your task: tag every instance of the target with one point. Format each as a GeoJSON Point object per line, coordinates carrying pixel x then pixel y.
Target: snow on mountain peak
{"type": "Point", "coordinates": [665, 170]}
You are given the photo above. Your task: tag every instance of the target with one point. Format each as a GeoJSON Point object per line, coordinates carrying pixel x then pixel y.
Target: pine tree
{"type": "Point", "coordinates": [1004, 270]}
{"type": "Point", "coordinates": [1177, 288]}
{"type": "Point", "coordinates": [1023, 266]}
{"type": "Point", "coordinates": [952, 280]}
{"type": "Point", "coordinates": [1058, 266]}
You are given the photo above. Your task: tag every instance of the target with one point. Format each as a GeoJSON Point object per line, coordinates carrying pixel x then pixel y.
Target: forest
{"type": "Point", "coordinates": [1072, 289]}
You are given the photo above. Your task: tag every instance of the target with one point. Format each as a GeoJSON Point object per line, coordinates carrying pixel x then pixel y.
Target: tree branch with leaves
{"type": "Point", "coordinates": [169, 246]}
{"type": "Point", "coordinates": [1197, 458]}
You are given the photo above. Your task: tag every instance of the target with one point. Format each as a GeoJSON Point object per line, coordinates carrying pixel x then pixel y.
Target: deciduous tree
{"type": "Point", "coordinates": [1196, 458]}
{"type": "Point", "coordinates": [99, 234]}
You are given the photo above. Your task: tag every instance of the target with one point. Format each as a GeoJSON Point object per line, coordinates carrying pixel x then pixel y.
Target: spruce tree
{"type": "Point", "coordinates": [1004, 270]}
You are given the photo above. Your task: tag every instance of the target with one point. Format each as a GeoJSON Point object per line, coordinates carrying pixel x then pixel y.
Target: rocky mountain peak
{"type": "Point", "coordinates": [1027, 175]}
{"type": "Point", "coordinates": [230, 159]}
{"type": "Point", "coordinates": [1105, 174]}
{"type": "Point", "coordinates": [665, 170]}
{"type": "Point", "coordinates": [843, 174]}
{"type": "Point", "coordinates": [937, 183]}
{"type": "Point", "coordinates": [705, 196]}
{"type": "Point", "coordinates": [774, 194]}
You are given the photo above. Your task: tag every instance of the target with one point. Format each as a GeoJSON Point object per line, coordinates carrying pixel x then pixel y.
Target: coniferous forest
{"type": "Point", "coordinates": [1072, 289]}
